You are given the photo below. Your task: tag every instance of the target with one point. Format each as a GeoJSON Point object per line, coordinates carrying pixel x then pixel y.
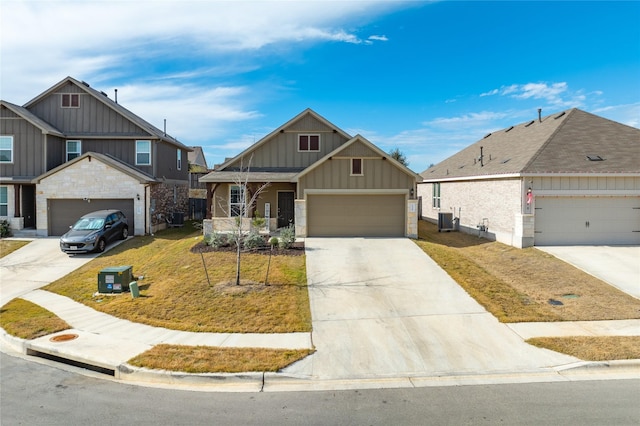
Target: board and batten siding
{"type": "Point", "coordinates": [336, 174]}
{"type": "Point", "coordinates": [91, 117]}
{"type": "Point", "coordinates": [28, 143]}
{"type": "Point", "coordinates": [281, 150]}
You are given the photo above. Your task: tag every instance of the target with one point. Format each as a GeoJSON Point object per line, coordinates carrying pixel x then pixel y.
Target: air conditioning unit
{"type": "Point", "coordinates": [445, 222]}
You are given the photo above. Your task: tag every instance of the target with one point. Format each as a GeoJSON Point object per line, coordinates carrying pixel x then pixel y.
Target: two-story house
{"type": "Point", "coordinates": [321, 179]}
{"type": "Point", "coordinates": [72, 150]}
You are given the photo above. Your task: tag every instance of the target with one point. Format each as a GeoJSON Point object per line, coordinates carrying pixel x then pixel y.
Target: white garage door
{"type": "Point", "coordinates": [356, 215]}
{"type": "Point", "coordinates": [587, 220]}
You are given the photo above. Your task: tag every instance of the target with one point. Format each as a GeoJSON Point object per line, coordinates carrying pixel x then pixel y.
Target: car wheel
{"type": "Point", "coordinates": [100, 245]}
{"type": "Point", "coordinates": [125, 233]}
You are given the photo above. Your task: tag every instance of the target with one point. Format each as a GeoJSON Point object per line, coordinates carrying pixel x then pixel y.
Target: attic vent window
{"type": "Point", "coordinates": [530, 123]}
{"type": "Point", "coordinates": [70, 100]}
{"type": "Point", "coordinates": [594, 158]}
{"type": "Point", "coordinates": [509, 129]}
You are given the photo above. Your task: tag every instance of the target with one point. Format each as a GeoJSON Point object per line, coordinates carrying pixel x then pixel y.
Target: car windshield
{"type": "Point", "coordinates": [88, 224]}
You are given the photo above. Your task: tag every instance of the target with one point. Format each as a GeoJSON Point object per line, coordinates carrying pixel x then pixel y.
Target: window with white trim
{"type": "Point", "coordinates": [143, 153]}
{"type": "Point", "coordinates": [70, 100]}
{"type": "Point", "coordinates": [308, 143]}
{"type": "Point", "coordinates": [4, 201]}
{"type": "Point", "coordinates": [74, 149]}
{"type": "Point", "coordinates": [436, 195]}
{"type": "Point", "coordinates": [6, 149]}
{"type": "Point", "coordinates": [237, 201]}
{"type": "Point", "coordinates": [356, 167]}
{"type": "Point", "coordinates": [179, 159]}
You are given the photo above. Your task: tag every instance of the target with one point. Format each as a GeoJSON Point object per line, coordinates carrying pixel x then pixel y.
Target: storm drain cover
{"type": "Point", "coordinates": [64, 337]}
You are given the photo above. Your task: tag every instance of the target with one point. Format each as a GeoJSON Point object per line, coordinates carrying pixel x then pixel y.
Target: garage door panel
{"type": "Point", "coordinates": [356, 215]}
{"type": "Point", "coordinates": [587, 220]}
{"type": "Point", "coordinates": [65, 212]}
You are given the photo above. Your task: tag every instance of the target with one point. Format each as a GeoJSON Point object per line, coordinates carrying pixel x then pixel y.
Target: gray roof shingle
{"type": "Point", "coordinates": [558, 143]}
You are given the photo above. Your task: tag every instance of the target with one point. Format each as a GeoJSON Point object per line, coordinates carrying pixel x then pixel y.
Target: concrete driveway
{"type": "Point", "coordinates": [616, 265]}
{"type": "Point", "coordinates": [35, 265]}
{"type": "Point", "coordinates": [383, 308]}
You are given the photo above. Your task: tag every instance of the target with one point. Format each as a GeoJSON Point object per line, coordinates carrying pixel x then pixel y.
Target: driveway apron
{"type": "Point", "coordinates": [383, 308]}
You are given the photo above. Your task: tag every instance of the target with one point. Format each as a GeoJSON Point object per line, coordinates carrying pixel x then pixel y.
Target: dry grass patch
{"type": "Point", "coordinates": [515, 285]}
{"type": "Point", "coordinates": [9, 246]}
{"type": "Point", "coordinates": [204, 359]}
{"type": "Point", "coordinates": [27, 320]}
{"type": "Point", "coordinates": [175, 292]}
{"type": "Point", "coordinates": [602, 348]}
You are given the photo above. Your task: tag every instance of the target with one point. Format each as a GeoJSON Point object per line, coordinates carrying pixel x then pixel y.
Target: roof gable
{"type": "Point", "coordinates": [119, 109]}
{"type": "Point", "coordinates": [106, 159]}
{"type": "Point", "coordinates": [558, 143]}
{"type": "Point", "coordinates": [24, 113]}
{"type": "Point", "coordinates": [356, 147]}
{"type": "Point", "coordinates": [308, 121]}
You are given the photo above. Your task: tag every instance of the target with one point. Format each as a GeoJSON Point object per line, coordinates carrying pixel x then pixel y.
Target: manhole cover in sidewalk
{"type": "Point", "coordinates": [64, 337]}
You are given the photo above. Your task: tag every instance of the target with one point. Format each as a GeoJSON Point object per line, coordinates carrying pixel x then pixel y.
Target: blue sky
{"type": "Point", "coordinates": [428, 78]}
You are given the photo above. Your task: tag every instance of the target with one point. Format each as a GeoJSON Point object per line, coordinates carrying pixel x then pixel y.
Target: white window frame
{"type": "Point", "coordinates": [361, 167]}
{"type": "Point", "coordinates": [70, 97]}
{"type": "Point", "coordinates": [140, 152]}
{"type": "Point", "coordinates": [179, 159]}
{"type": "Point", "coordinates": [4, 201]}
{"type": "Point", "coordinates": [77, 153]}
{"type": "Point", "coordinates": [309, 135]}
{"type": "Point", "coordinates": [3, 140]}
{"type": "Point", "coordinates": [435, 195]}
{"type": "Point", "coordinates": [239, 207]}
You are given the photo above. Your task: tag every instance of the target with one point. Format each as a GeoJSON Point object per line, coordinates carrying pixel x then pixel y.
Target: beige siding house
{"type": "Point", "coordinates": [565, 179]}
{"type": "Point", "coordinates": [322, 180]}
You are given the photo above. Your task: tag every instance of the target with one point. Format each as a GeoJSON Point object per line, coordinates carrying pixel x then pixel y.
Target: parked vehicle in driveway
{"type": "Point", "coordinates": [93, 231]}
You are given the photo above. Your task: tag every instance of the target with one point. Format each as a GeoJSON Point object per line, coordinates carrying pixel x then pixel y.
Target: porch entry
{"type": "Point", "coordinates": [285, 208]}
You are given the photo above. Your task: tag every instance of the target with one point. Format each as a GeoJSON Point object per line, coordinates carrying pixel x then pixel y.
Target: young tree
{"type": "Point", "coordinates": [399, 156]}
{"type": "Point", "coordinates": [244, 199]}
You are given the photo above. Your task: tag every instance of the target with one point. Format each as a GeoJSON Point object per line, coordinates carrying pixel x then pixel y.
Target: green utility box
{"type": "Point", "coordinates": [115, 279]}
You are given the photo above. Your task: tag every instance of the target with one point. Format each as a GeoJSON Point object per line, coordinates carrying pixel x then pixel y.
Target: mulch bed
{"type": "Point", "coordinates": [297, 249]}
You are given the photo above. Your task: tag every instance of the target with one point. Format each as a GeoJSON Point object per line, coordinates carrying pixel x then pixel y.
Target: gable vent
{"type": "Point", "coordinates": [594, 158]}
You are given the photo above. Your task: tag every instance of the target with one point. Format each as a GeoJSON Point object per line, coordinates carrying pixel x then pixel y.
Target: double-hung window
{"type": "Point", "coordinates": [237, 202]}
{"type": "Point", "coordinates": [143, 153]}
{"type": "Point", "coordinates": [356, 167]}
{"type": "Point", "coordinates": [308, 143]}
{"type": "Point", "coordinates": [74, 149]}
{"type": "Point", "coordinates": [6, 149]}
{"type": "Point", "coordinates": [70, 100]}
{"type": "Point", "coordinates": [4, 201]}
{"type": "Point", "coordinates": [436, 195]}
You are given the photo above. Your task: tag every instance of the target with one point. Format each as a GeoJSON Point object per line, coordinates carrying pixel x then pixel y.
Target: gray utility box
{"type": "Point", "coordinates": [445, 222]}
{"type": "Point", "coordinates": [115, 279]}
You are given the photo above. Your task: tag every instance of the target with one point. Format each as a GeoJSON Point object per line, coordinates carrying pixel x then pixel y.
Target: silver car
{"type": "Point", "coordinates": [94, 231]}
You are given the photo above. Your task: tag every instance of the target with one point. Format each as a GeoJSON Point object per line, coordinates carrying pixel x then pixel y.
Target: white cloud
{"type": "Point", "coordinates": [378, 38]}
{"type": "Point", "coordinates": [554, 94]}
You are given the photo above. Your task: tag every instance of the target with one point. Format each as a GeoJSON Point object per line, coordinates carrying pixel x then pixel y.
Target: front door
{"type": "Point", "coordinates": [29, 205]}
{"type": "Point", "coordinates": [285, 208]}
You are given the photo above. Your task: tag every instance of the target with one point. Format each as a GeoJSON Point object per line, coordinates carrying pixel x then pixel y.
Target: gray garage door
{"type": "Point", "coordinates": [587, 220]}
{"type": "Point", "coordinates": [356, 215]}
{"type": "Point", "coordinates": [65, 212]}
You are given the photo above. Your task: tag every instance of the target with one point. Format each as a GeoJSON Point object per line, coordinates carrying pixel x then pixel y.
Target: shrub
{"type": "Point", "coordinates": [288, 236]}
{"type": "Point", "coordinates": [253, 240]}
{"type": "Point", "coordinates": [217, 240]}
{"type": "Point", "coordinates": [5, 229]}
{"type": "Point", "coordinates": [274, 241]}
